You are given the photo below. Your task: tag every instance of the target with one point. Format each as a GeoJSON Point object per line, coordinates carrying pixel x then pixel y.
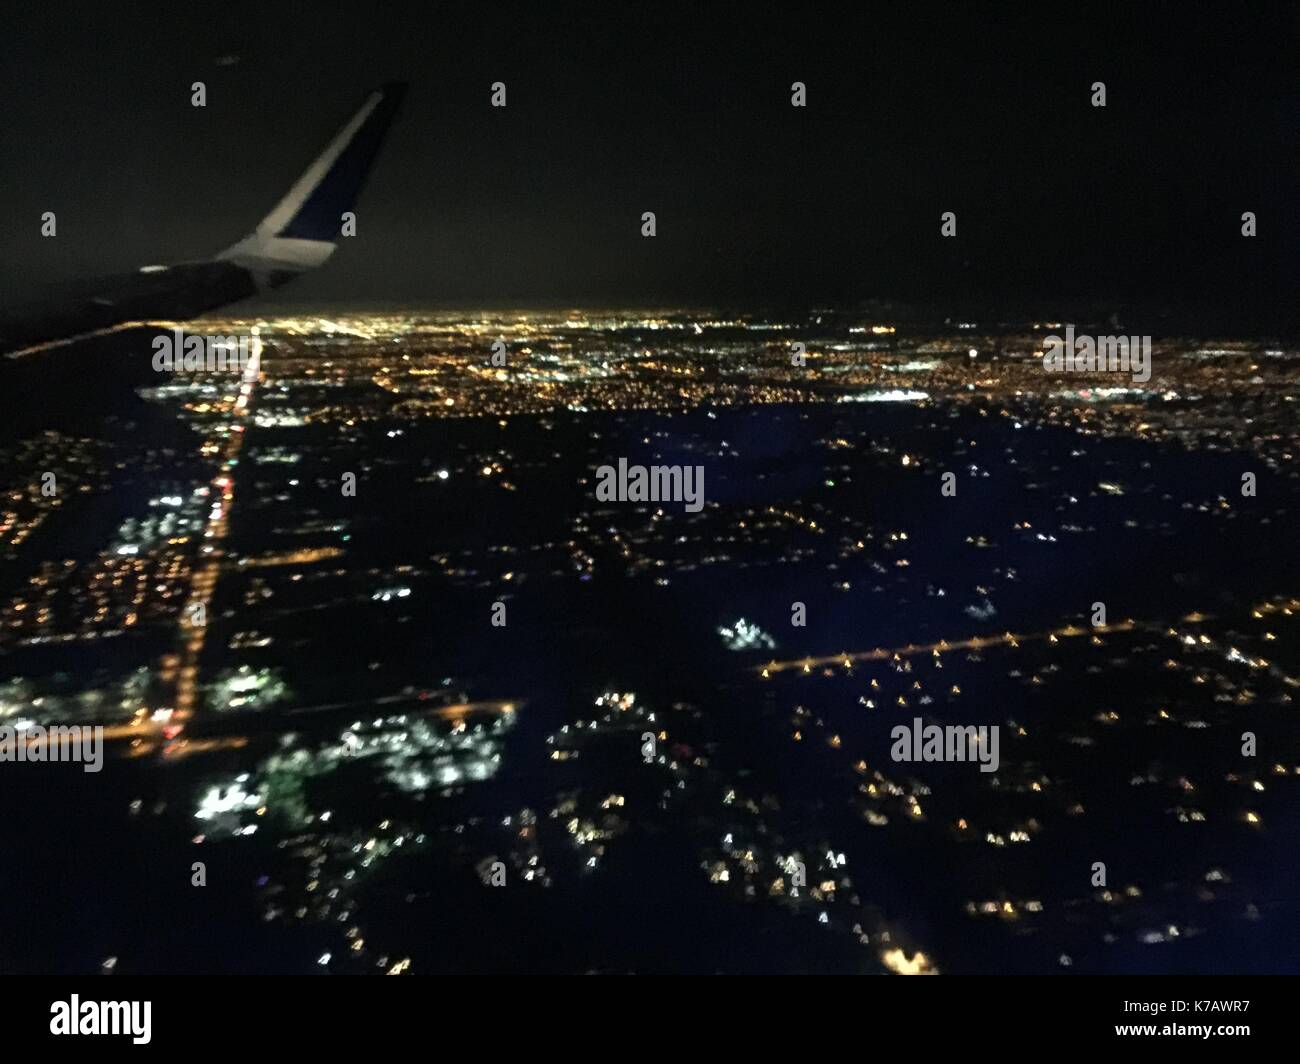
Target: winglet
{"type": "Point", "coordinates": [302, 230]}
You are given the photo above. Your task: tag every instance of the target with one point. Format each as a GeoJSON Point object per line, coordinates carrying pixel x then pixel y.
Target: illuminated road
{"type": "Point", "coordinates": [181, 670]}
{"type": "Point", "coordinates": [1007, 639]}
{"type": "Point", "coordinates": [146, 737]}
{"type": "Point", "coordinates": [452, 712]}
{"type": "Point", "coordinates": [204, 582]}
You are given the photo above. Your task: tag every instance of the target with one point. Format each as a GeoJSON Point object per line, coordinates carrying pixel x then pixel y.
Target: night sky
{"type": "Point", "coordinates": [912, 111]}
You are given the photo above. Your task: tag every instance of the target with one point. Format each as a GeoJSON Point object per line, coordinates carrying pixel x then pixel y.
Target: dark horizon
{"type": "Point", "coordinates": [758, 203]}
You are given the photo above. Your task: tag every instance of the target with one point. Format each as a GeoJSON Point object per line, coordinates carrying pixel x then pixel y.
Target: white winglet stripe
{"type": "Point", "coordinates": [306, 185]}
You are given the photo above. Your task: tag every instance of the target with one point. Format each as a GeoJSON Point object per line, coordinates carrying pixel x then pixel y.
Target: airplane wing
{"type": "Point", "coordinates": [299, 234]}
